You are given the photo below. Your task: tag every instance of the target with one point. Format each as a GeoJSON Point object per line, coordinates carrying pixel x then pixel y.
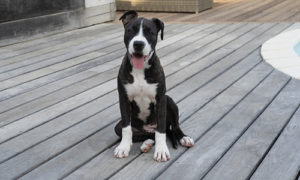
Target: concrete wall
{"type": "Point", "coordinates": [20, 9]}
{"type": "Point", "coordinates": [23, 19]}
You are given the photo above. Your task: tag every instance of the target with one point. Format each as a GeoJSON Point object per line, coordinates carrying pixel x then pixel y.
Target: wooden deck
{"type": "Point", "coordinates": [237, 11]}
{"type": "Point", "coordinates": [59, 104]}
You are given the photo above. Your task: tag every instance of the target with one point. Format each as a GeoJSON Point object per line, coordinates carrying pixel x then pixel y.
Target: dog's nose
{"type": "Point", "coordinates": [138, 45]}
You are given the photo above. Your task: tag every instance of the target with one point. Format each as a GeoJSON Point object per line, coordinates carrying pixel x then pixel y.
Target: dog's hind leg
{"type": "Point", "coordinates": [137, 135]}
{"type": "Point", "coordinates": [175, 133]}
{"type": "Point", "coordinates": [147, 145]}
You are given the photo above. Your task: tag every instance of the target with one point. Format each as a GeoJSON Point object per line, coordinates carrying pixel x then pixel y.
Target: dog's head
{"type": "Point", "coordinates": [140, 37]}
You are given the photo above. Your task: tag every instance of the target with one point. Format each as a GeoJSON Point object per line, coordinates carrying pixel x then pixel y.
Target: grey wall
{"type": "Point", "coordinates": [21, 20]}
{"type": "Point", "coordinates": [21, 9]}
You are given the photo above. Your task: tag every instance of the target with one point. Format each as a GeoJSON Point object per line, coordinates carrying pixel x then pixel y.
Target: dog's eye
{"type": "Point", "coordinates": [152, 33]}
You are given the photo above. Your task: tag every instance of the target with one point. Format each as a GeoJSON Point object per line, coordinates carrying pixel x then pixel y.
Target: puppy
{"type": "Point", "coordinates": [147, 113]}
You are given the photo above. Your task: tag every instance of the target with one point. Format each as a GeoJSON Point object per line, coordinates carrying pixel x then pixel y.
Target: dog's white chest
{"type": "Point", "coordinates": [141, 92]}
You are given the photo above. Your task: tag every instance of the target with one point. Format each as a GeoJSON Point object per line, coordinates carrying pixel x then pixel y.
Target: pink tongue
{"type": "Point", "coordinates": [137, 62]}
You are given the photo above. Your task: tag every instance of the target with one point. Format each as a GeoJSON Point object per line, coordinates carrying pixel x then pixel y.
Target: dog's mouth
{"type": "Point", "coordinates": [138, 60]}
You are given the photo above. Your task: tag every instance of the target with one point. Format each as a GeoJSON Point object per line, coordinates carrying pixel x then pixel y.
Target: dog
{"type": "Point", "coordinates": [147, 113]}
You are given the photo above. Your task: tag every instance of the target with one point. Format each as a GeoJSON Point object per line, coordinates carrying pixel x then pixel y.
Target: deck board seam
{"type": "Point", "coordinates": [77, 37]}
{"type": "Point", "coordinates": [272, 143]}
{"type": "Point", "coordinates": [229, 85]}
{"type": "Point", "coordinates": [57, 116]}
{"type": "Point", "coordinates": [196, 73]}
{"type": "Point", "coordinates": [85, 53]}
{"type": "Point", "coordinates": [226, 113]}
{"type": "Point", "coordinates": [63, 70]}
{"type": "Point", "coordinates": [183, 120]}
{"type": "Point", "coordinates": [166, 76]}
{"type": "Point", "coordinates": [59, 55]}
{"type": "Point", "coordinates": [248, 126]}
{"type": "Point", "coordinates": [80, 92]}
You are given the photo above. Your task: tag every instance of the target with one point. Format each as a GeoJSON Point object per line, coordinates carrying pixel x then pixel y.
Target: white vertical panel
{"type": "Point", "coordinates": [92, 3]}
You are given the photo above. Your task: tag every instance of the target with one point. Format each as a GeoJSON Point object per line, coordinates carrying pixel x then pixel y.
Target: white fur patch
{"type": "Point", "coordinates": [123, 149]}
{"type": "Point", "coordinates": [187, 141]}
{"type": "Point", "coordinates": [147, 145]}
{"type": "Point", "coordinates": [161, 153]}
{"type": "Point", "coordinates": [140, 37]}
{"type": "Point", "coordinates": [141, 92]}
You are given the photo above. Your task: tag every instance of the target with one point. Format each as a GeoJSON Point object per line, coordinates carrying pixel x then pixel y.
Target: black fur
{"type": "Point", "coordinates": [165, 113]}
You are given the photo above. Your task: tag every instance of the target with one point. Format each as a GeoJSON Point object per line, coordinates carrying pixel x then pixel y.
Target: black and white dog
{"type": "Point", "coordinates": [147, 113]}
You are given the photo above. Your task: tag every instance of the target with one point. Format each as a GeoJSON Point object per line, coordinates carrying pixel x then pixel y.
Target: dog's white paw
{"type": "Point", "coordinates": [122, 150]}
{"type": "Point", "coordinates": [187, 141]}
{"type": "Point", "coordinates": [161, 153]}
{"type": "Point", "coordinates": [147, 145]}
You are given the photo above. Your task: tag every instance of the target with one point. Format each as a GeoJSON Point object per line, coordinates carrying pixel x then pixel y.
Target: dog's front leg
{"type": "Point", "coordinates": [161, 153]}
{"type": "Point", "coordinates": [123, 149]}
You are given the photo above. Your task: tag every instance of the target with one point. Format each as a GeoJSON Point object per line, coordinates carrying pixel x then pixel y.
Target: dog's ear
{"type": "Point", "coordinates": [160, 27]}
{"type": "Point", "coordinates": [128, 16]}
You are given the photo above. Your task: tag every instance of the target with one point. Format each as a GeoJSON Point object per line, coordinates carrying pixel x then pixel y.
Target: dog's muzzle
{"type": "Point", "coordinates": [137, 57]}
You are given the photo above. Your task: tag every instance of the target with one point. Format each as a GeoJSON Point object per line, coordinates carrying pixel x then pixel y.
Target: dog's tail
{"type": "Point", "coordinates": [173, 130]}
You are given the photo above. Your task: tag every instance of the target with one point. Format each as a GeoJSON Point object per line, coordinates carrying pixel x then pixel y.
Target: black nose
{"type": "Point", "coordinates": [138, 45]}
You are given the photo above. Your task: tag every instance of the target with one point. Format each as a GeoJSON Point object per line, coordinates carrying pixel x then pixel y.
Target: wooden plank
{"type": "Point", "coordinates": [56, 97]}
{"type": "Point", "coordinates": [256, 8]}
{"type": "Point", "coordinates": [59, 55]}
{"type": "Point", "coordinates": [265, 36]}
{"type": "Point", "coordinates": [213, 143]}
{"type": "Point", "coordinates": [249, 12]}
{"type": "Point", "coordinates": [115, 31]}
{"type": "Point", "coordinates": [10, 89]}
{"type": "Point", "coordinates": [56, 176]}
{"type": "Point", "coordinates": [34, 45]}
{"type": "Point", "coordinates": [295, 18]}
{"type": "Point", "coordinates": [23, 167]}
{"type": "Point", "coordinates": [287, 7]}
{"type": "Point", "coordinates": [9, 103]}
{"type": "Point", "coordinates": [63, 51]}
{"type": "Point", "coordinates": [51, 96]}
{"type": "Point", "coordinates": [205, 39]}
{"type": "Point", "coordinates": [171, 48]}
{"type": "Point", "coordinates": [228, 61]}
{"type": "Point", "coordinates": [291, 10]}
{"type": "Point", "coordinates": [203, 58]}
{"type": "Point", "coordinates": [13, 112]}
{"type": "Point", "coordinates": [47, 89]}
{"type": "Point", "coordinates": [7, 116]}
{"type": "Point", "coordinates": [264, 13]}
{"type": "Point", "coordinates": [283, 160]}
{"type": "Point", "coordinates": [70, 129]}
{"type": "Point", "coordinates": [24, 87]}
{"type": "Point", "coordinates": [27, 46]}
{"type": "Point", "coordinates": [59, 49]}
{"type": "Point", "coordinates": [52, 37]}
{"type": "Point", "coordinates": [146, 158]}
{"type": "Point", "coordinates": [223, 11]}
{"type": "Point", "coordinates": [45, 115]}
{"type": "Point", "coordinates": [56, 105]}
{"type": "Point", "coordinates": [246, 153]}
{"type": "Point", "coordinates": [200, 103]}
{"type": "Point", "coordinates": [31, 75]}
{"type": "Point", "coordinates": [28, 161]}
{"type": "Point", "coordinates": [238, 10]}
{"type": "Point", "coordinates": [209, 12]}
{"type": "Point", "coordinates": [61, 74]}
